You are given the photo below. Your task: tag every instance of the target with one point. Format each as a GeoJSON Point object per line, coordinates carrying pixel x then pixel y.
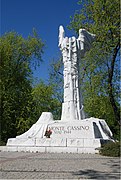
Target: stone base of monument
{"type": "Point", "coordinates": [47, 135]}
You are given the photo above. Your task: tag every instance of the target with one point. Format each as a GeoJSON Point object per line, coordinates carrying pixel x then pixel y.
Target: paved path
{"type": "Point", "coordinates": [20, 165]}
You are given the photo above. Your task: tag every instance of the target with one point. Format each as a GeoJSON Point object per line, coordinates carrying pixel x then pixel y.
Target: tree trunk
{"type": "Point", "coordinates": [110, 86]}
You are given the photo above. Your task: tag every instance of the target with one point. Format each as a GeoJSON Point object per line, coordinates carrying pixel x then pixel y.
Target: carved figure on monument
{"type": "Point", "coordinates": [72, 50]}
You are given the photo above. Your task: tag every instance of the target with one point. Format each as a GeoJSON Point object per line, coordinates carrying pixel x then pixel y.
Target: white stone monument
{"type": "Point", "coordinates": [72, 50]}
{"type": "Point", "coordinates": [73, 133]}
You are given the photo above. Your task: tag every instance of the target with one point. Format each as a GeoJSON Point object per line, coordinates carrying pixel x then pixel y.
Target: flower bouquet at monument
{"type": "Point", "coordinates": [48, 133]}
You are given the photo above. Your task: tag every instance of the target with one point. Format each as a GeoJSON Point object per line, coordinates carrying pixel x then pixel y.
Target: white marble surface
{"type": "Point", "coordinates": [49, 149]}
{"type": "Point", "coordinates": [52, 142]}
{"type": "Point", "coordinates": [72, 50]}
{"type": "Point", "coordinates": [36, 131]}
{"type": "Point", "coordinates": [71, 135]}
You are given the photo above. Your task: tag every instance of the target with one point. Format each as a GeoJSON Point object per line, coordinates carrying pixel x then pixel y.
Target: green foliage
{"type": "Point", "coordinates": [2, 143]}
{"type": "Point", "coordinates": [100, 17]}
{"type": "Point", "coordinates": [56, 78]}
{"type": "Point", "coordinates": [94, 86]}
{"type": "Point", "coordinates": [17, 56]}
{"type": "Point", "coordinates": [44, 100]}
{"type": "Point", "coordinates": [100, 71]}
{"type": "Point", "coordinates": [111, 149]}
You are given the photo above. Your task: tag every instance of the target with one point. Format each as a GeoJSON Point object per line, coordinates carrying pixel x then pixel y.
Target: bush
{"type": "Point", "coordinates": [111, 149]}
{"type": "Point", "coordinates": [2, 143]}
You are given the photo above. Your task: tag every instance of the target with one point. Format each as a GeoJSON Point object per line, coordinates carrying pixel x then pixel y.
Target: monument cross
{"type": "Point", "coordinates": [72, 50]}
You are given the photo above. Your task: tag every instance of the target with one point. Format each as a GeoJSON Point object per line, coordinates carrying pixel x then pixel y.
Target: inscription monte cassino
{"type": "Point", "coordinates": [68, 129]}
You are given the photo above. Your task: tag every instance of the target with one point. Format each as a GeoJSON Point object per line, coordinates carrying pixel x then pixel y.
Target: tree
{"type": "Point", "coordinates": [45, 101]}
{"type": "Point", "coordinates": [56, 78]}
{"type": "Point", "coordinates": [17, 56]}
{"type": "Point", "coordinates": [100, 67]}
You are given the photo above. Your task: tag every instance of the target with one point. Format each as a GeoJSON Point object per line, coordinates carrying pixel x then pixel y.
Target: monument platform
{"type": "Point", "coordinates": [47, 135]}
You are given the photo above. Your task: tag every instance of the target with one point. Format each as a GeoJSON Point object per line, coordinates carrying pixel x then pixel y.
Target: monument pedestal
{"type": "Point", "coordinates": [77, 136]}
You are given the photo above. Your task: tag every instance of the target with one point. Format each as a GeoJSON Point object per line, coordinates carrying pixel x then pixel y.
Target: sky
{"type": "Point", "coordinates": [45, 16]}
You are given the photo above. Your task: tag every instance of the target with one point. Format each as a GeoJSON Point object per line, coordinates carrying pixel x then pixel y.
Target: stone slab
{"type": "Point", "coordinates": [35, 149]}
{"type": "Point", "coordinates": [50, 142]}
{"type": "Point", "coordinates": [83, 143]}
{"type": "Point", "coordinates": [49, 149]}
{"type": "Point", "coordinates": [72, 129]}
{"type": "Point", "coordinates": [12, 149]}
{"type": "Point", "coordinates": [43, 142]}
{"type": "Point", "coordinates": [89, 143]}
{"type": "Point", "coordinates": [75, 142]}
{"type": "Point", "coordinates": [87, 151]}
{"type": "Point", "coordinates": [21, 142]}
